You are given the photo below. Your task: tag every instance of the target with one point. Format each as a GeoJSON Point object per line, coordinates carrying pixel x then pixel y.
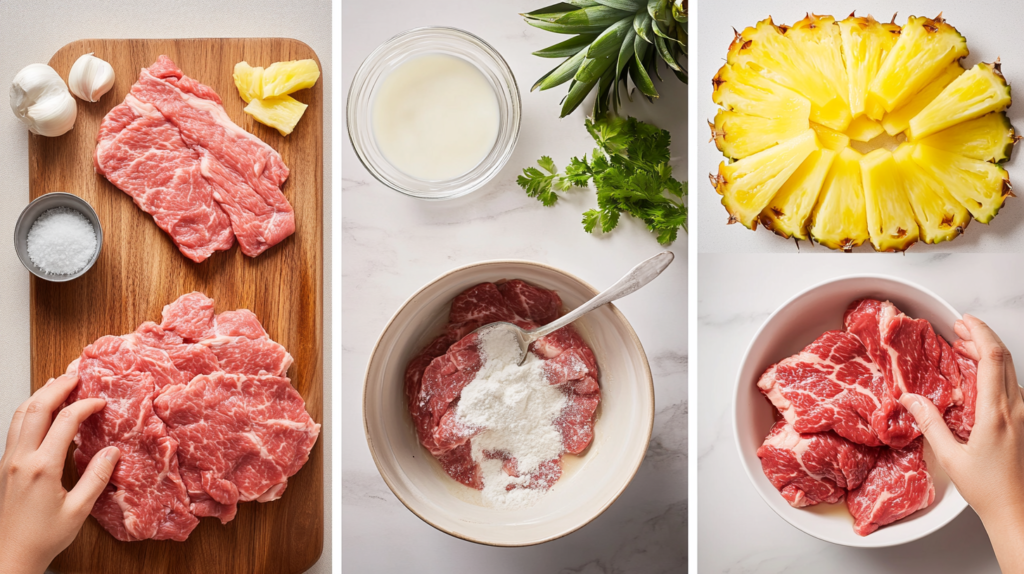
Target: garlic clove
{"type": "Point", "coordinates": [90, 78]}
{"type": "Point", "coordinates": [41, 101]}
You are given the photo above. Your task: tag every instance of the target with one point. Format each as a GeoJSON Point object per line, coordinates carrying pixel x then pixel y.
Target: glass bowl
{"type": "Point", "coordinates": [396, 51]}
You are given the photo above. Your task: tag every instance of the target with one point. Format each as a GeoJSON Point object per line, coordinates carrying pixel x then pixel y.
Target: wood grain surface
{"type": "Point", "coordinates": [140, 270]}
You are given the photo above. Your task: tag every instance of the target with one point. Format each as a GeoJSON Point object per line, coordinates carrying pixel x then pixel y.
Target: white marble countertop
{"type": "Point", "coordinates": [738, 531]}
{"type": "Point", "coordinates": [392, 245]}
{"type": "Point", "coordinates": [991, 32]}
{"type": "Point", "coordinates": [32, 32]}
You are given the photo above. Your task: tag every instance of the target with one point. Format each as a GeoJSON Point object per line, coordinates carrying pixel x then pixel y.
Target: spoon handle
{"type": "Point", "coordinates": [637, 277]}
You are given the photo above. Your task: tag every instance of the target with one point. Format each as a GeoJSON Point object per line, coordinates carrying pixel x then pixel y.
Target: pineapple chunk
{"type": "Point", "coordinates": [830, 138]}
{"type": "Point", "coordinates": [898, 121]}
{"type": "Point", "coordinates": [925, 48]}
{"type": "Point", "coordinates": [789, 211]}
{"type": "Point", "coordinates": [820, 42]}
{"type": "Point", "coordinates": [249, 81]}
{"type": "Point", "coordinates": [891, 223]}
{"type": "Point", "coordinates": [866, 43]}
{"type": "Point", "coordinates": [777, 57]}
{"type": "Point", "coordinates": [740, 135]}
{"type": "Point", "coordinates": [864, 129]}
{"type": "Point", "coordinates": [281, 112]}
{"type": "Point", "coordinates": [747, 185]}
{"type": "Point", "coordinates": [988, 138]}
{"type": "Point", "coordinates": [981, 90]}
{"type": "Point", "coordinates": [840, 219]}
{"type": "Point", "coordinates": [980, 186]}
{"type": "Point", "coordinates": [740, 89]}
{"type": "Point", "coordinates": [284, 78]}
{"type": "Point", "coordinates": [940, 217]}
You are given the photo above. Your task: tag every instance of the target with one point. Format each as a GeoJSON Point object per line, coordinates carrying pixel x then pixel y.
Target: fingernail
{"type": "Point", "coordinates": [911, 402]}
{"type": "Point", "coordinates": [111, 453]}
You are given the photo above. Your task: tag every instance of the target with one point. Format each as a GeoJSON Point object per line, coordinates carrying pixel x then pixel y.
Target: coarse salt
{"type": "Point", "coordinates": [61, 241]}
{"type": "Point", "coordinates": [517, 407]}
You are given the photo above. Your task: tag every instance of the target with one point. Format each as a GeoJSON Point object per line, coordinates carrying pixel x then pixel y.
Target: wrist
{"type": "Point", "coordinates": [19, 563]}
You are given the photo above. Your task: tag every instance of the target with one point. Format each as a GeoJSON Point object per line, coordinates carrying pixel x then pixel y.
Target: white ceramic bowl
{"type": "Point", "coordinates": [788, 330]}
{"type": "Point", "coordinates": [590, 482]}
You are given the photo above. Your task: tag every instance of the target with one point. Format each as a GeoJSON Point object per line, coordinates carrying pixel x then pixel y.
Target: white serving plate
{"type": "Point", "coordinates": [590, 483]}
{"type": "Point", "coordinates": [788, 330]}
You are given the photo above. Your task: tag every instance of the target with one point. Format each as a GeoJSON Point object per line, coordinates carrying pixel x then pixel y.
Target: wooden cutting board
{"type": "Point", "coordinates": [140, 270]}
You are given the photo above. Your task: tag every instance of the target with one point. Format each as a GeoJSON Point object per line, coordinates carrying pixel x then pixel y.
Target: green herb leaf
{"type": "Point", "coordinates": [630, 172]}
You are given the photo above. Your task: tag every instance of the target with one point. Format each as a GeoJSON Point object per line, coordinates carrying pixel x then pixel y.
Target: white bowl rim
{"type": "Point", "coordinates": [739, 387]}
{"type": "Point", "coordinates": [649, 388]}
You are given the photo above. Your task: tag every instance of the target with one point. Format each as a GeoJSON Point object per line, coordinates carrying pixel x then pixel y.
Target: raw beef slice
{"type": "Point", "coordinates": [202, 412]}
{"type": "Point", "coordinates": [830, 385]}
{"type": "Point", "coordinates": [240, 438]}
{"type": "Point", "coordinates": [172, 147]}
{"type": "Point", "coordinates": [808, 469]}
{"type": "Point", "coordinates": [912, 358]}
{"type": "Point", "coordinates": [146, 497]}
{"type": "Point", "coordinates": [898, 486]}
{"type": "Point", "coordinates": [435, 378]}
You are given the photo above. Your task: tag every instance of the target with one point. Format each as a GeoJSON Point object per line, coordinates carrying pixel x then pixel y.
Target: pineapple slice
{"type": "Point", "coordinates": [980, 186]}
{"type": "Point", "coordinates": [940, 217]}
{"type": "Point", "coordinates": [740, 89]}
{"type": "Point", "coordinates": [866, 43]}
{"type": "Point", "coordinates": [280, 113]}
{"type": "Point", "coordinates": [777, 57]}
{"type": "Point", "coordinates": [249, 81]}
{"type": "Point", "coordinates": [864, 129]}
{"type": "Point", "coordinates": [830, 138]}
{"type": "Point", "coordinates": [898, 121]}
{"type": "Point", "coordinates": [988, 138]}
{"type": "Point", "coordinates": [926, 47]}
{"type": "Point", "coordinates": [981, 90]}
{"type": "Point", "coordinates": [820, 42]}
{"type": "Point", "coordinates": [789, 211]}
{"type": "Point", "coordinates": [747, 185]}
{"type": "Point", "coordinates": [840, 219]}
{"type": "Point", "coordinates": [891, 223]}
{"type": "Point", "coordinates": [283, 78]}
{"type": "Point", "coordinates": [740, 135]}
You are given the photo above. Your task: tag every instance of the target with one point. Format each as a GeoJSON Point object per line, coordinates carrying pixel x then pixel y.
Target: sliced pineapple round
{"type": "Point", "coordinates": [855, 131]}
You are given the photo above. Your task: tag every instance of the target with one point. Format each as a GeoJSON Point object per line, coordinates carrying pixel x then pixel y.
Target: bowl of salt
{"type": "Point", "coordinates": [58, 237]}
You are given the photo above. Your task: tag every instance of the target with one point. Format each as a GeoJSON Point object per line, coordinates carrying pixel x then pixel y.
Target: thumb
{"type": "Point", "coordinates": [932, 426]}
{"type": "Point", "coordinates": [95, 478]}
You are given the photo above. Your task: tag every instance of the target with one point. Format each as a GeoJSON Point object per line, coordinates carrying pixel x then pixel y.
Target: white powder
{"type": "Point", "coordinates": [61, 241]}
{"type": "Point", "coordinates": [517, 406]}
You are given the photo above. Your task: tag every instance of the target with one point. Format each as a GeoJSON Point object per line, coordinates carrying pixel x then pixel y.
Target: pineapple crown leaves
{"type": "Point", "coordinates": [614, 40]}
{"type": "Point", "coordinates": [630, 171]}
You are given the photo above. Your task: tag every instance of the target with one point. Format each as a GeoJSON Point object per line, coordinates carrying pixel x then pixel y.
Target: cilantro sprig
{"type": "Point", "coordinates": [630, 171]}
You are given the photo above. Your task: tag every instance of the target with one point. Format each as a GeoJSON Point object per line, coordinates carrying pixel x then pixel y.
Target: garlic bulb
{"type": "Point", "coordinates": [41, 101]}
{"type": "Point", "coordinates": [90, 78]}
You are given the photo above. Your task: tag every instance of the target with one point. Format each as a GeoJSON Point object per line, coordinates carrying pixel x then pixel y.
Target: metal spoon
{"type": "Point", "coordinates": [637, 277]}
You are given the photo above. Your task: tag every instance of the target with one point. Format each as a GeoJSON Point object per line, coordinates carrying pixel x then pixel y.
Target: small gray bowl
{"type": "Point", "coordinates": [34, 210]}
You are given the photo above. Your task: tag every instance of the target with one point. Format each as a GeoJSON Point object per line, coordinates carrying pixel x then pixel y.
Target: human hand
{"type": "Point", "coordinates": [38, 518]}
{"type": "Point", "coordinates": [989, 469]}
